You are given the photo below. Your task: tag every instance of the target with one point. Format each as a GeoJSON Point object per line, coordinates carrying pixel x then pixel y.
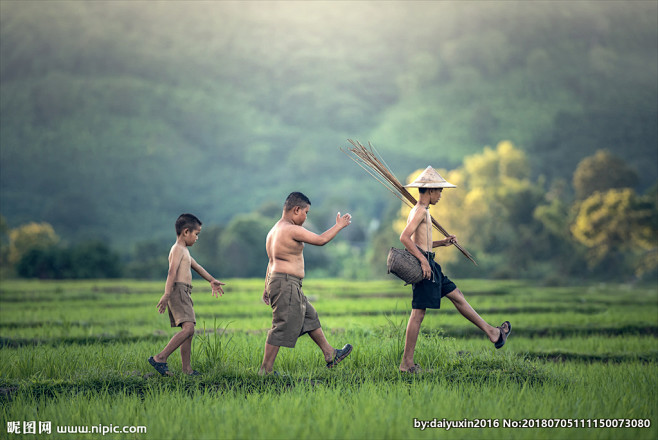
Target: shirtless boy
{"type": "Point", "coordinates": [417, 239]}
{"type": "Point", "coordinates": [177, 296]}
{"type": "Point", "coordinates": [292, 314]}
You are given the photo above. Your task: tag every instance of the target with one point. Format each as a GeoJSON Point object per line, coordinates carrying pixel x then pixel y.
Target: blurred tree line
{"type": "Point", "coordinates": [129, 113]}
{"type": "Point", "coordinates": [595, 226]}
{"type": "Point", "coordinates": [119, 116]}
{"type": "Point", "coordinates": [34, 250]}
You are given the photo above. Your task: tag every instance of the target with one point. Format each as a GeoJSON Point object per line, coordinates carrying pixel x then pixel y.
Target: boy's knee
{"type": "Point", "coordinates": [188, 329]}
{"type": "Point", "coordinates": [418, 314]}
{"type": "Point", "coordinates": [457, 297]}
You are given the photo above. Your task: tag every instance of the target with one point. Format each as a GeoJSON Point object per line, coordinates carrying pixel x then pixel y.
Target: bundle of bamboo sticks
{"type": "Point", "coordinates": [372, 162]}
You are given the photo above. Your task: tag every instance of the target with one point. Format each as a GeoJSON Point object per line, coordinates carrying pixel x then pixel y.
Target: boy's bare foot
{"type": "Point", "coordinates": [415, 369]}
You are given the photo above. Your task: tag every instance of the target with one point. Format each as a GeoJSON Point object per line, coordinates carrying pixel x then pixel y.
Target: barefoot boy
{"type": "Point", "coordinates": [292, 314]}
{"type": "Point", "coordinates": [417, 238]}
{"type": "Point", "coordinates": [177, 296]}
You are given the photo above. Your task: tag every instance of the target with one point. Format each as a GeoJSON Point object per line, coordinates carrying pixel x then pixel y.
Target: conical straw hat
{"type": "Point", "coordinates": [430, 179]}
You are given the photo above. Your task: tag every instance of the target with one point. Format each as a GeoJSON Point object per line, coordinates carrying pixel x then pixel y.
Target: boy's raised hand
{"type": "Point", "coordinates": [344, 220]}
{"type": "Point", "coordinates": [217, 288]}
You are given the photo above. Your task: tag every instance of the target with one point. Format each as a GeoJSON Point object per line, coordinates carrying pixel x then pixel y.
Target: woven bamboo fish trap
{"type": "Point", "coordinates": [404, 265]}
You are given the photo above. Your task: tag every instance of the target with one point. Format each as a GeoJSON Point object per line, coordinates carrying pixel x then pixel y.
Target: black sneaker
{"type": "Point", "coordinates": [340, 355]}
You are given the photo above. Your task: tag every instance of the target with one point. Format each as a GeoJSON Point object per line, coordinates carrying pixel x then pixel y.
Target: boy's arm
{"type": "Point", "coordinates": [450, 239]}
{"type": "Point", "coordinates": [306, 236]}
{"type": "Point", "coordinates": [407, 241]}
{"type": "Point", "coordinates": [174, 263]}
{"type": "Point", "coordinates": [266, 297]}
{"type": "Point", "coordinates": [268, 250]}
{"type": "Point", "coordinates": [215, 284]}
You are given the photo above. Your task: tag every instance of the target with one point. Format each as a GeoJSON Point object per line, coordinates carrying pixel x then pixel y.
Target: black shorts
{"type": "Point", "coordinates": [428, 293]}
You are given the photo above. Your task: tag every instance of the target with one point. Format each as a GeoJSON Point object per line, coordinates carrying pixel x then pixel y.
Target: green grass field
{"type": "Point", "coordinates": [74, 354]}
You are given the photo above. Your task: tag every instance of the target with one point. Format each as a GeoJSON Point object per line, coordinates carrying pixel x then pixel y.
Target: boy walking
{"type": "Point", "coordinates": [177, 296]}
{"type": "Point", "coordinates": [417, 239]}
{"type": "Point", "coordinates": [292, 314]}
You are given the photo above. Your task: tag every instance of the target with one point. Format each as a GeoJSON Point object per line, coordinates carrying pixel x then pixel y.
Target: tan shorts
{"type": "Point", "coordinates": [292, 314]}
{"type": "Point", "coordinates": [180, 305]}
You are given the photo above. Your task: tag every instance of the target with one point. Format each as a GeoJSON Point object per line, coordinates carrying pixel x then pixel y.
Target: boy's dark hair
{"type": "Point", "coordinates": [296, 199]}
{"type": "Point", "coordinates": [424, 190]}
{"type": "Point", "coordinates": [187, 221]}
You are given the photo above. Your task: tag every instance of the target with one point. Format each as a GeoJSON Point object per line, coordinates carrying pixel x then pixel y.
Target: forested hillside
{"type": "Point", "coordinates": [118, 116]}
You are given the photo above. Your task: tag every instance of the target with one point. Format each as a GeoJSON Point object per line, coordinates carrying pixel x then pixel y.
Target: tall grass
{"type": "Point", "coordinates": [87, 365]}
{"type": "Point", "coordinates": [305, 409]}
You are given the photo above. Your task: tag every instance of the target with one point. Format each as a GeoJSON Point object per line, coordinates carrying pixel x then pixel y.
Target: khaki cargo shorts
{"type": "Point", "coordinates": [180, 305]}
{"type": "Point", "coordinates": [292, 314]}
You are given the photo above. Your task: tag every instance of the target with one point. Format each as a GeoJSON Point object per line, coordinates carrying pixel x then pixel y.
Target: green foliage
{"type": "Point", "coordinates": [601, 172]}
{"type": "Point", "coordinates": [382, 240]}
{"type": "Point", "coordinates": [4, 246]}
{"type": "Point", "coordinates": [207, 251]}
{"type": "Point", "coordinates": [615, 223]}
{"type": "Point", "coordinates": [150, 260]}
{"type": "Point", "coordinates": [557, 254]}
{"type": "Point", "coordinates": [85, 260]}
{"type": "Point", "coordinates": [117, 109]}
{"type": "Point", "coordinates": [242, 246]}
{"type": "Point", "coordinates": [93, 260]}
{"type": "Point", "coordinates": [30, 237]}
{"type": "Point", "coordinates": [50, 263]}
